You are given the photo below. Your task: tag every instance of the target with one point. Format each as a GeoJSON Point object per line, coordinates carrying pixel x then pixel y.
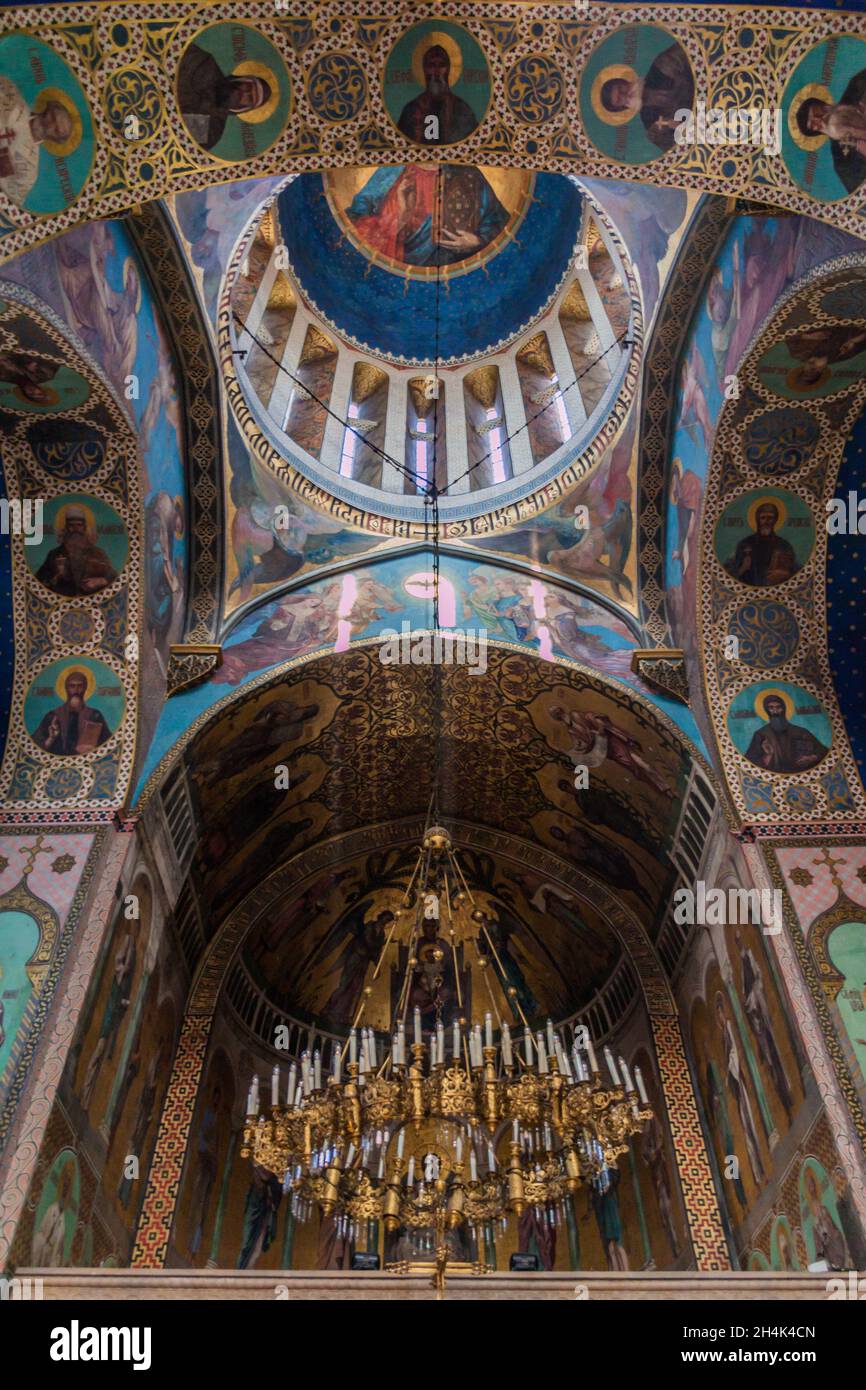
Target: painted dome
{"type": "Point", "coordinates": [382, 254]}
{"type": "Point", "coordinates": [388, 328]}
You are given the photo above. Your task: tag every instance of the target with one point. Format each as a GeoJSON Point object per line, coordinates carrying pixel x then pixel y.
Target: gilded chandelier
{"type": "Point", "coordinates": [443, 1126]}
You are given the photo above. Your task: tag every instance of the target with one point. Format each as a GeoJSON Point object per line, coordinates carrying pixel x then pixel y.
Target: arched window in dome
{"type": "Point", "coordinates": [486, 430]}
{"type": "Point", "coordinates": [586, 339]}
{"type": "Point", "coordinates": [364, 435]}
{"type": "Point", "coordinates": [543, 401]}
{"type": "Point", "coordinates": [425, 433]}
{"type": "Point", "coordinates": [611, 287]}
{"type": "Point", "coordinates": [306, 413]}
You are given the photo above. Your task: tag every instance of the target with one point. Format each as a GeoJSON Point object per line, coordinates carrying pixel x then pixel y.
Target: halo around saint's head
{"type": "Point", "coordinates": [774, 693]}
{"type": "Point", "coordinates": [614, 72]}
{"type": "Point", "coordinates": [251, 67]}
{"type": "Point", "coordinates": [766, 501]}
{"type": "Point", "coordinates": [77, 669]}
{"type": "Point", "coordinates": [60, 149]}
{"type": "Point", "coordinates": [432, 40]}
{"type": "Point", "coordinates": [819, 92]}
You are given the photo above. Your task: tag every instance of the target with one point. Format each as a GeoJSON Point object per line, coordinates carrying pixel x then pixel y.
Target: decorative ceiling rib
{"type": "Point", "coordinates": [659, 402]}
{"type": "Point", "coordinates": [200, 414]}
{"type": "Point", "coordinates": [773, 473]}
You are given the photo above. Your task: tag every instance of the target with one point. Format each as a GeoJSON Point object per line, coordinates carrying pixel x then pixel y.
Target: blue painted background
{"type": "Point", "coordinates": [397, 316]}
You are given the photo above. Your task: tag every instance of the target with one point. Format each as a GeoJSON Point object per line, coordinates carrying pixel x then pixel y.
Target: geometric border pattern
{"type": "Point", "coordinates": [696, 1179]}
{"type": "Point", "coordinates": [110, 616]}
{"type": "Point", "coordinates": [154, 1227]}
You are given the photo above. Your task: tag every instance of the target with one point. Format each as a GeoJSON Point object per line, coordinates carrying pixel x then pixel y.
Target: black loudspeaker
{"type": "Point", "coordinates": [365, 1259]}
{"type": "Point", "coordinates": [524, 1263]}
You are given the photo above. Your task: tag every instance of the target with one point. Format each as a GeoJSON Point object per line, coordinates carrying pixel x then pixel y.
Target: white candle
{"type": "Point", "coordinates": [338, 1064]}
{"type": "Point", "coordinates": [611, 1066]}
{"type": "Point", "coordinates": [550, 1044]}
{"type": "Point", "coordinates": [433, 1049]}
{"type": "Point", "coordinates": [542, 1054]}
{"type": "Point", "coordinates": [488, 1030]}
{"type": "Point", "coordinates": [473, 1166]}
{"type": "Point", "coordinates": [293, 1084]}
{"type": "Point", "coordinates": [515, 1132]}
{"type": "Point", "coordinates": [440, 1041]}
{"type": "Point", "coordinates": [353, 1045]}
{"type": "Point", "coordinates": [625, 1074]}
{"type": "Point", "coordinates": [350, 1154]}
{"type": "Point", "coordinates": [491, 1158]}
{"type": "Point", "coordinates": [527, 1047]}
{"type": "Point", "coordinates": [641, 1088]}
{"type": "Point", "coordinates": [458, 1149]}
{"type": "Point", "coordinates": [591, 1055]}
{"type": "Point", "coordinates": [410, 1175]}
{"type": "Point", "coordinates": [317, 1071]}
{"type": "Point", "coordinates": [250, 1101]}
{"type": "Point", "coordinates": [506, 1045]}
{"type": "Point", "coordinates": [401, 1139]}
{"type": "Point", "coordinates": [456, 1041]}
{"type": "Point", "coordinates": [275, 1087]}
{"type": "Point", "coordinates": [417, 1021]}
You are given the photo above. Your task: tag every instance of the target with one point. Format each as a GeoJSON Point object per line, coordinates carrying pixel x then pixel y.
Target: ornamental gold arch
{"type": "Point", "coordinates": [327, 107]}
{"type": "Point", "coordinates": [314, 665]}
{"type": "Point", "coordinates": [781, 629]}
{"type": "Point", "coordinates": [85, 631]}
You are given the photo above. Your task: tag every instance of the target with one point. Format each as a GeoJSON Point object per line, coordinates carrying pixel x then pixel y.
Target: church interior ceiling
{"type": "Point", "coordinates": [646, 226]}
{"type": "Point", "coordinates": [357, 740]}
{"type": "Point", "coordinates": [381, 599]}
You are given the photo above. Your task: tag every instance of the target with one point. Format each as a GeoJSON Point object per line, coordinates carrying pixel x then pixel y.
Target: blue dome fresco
{"type": "Point", "coordinates": [375, 250]}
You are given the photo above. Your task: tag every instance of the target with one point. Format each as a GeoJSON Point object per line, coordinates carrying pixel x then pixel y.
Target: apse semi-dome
{"type": "Point", "coordinates": [382, 328]}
